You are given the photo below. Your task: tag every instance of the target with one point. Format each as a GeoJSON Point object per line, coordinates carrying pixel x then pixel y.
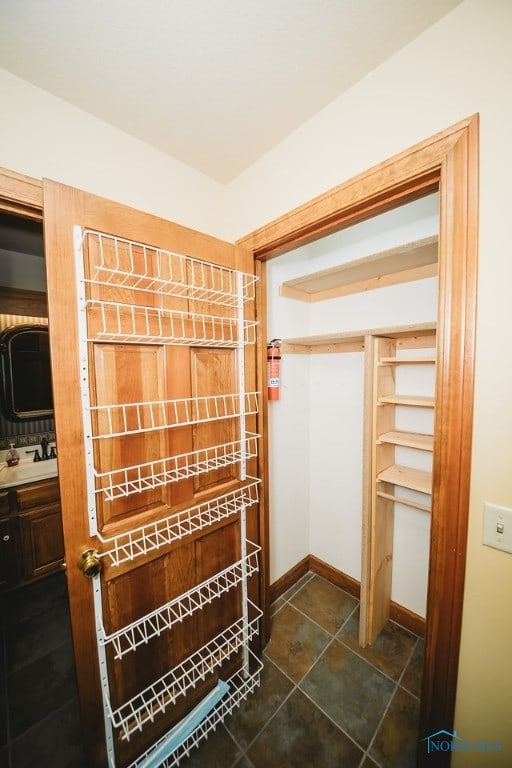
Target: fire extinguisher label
{"type": "Point", "coordinates": [273, 382]}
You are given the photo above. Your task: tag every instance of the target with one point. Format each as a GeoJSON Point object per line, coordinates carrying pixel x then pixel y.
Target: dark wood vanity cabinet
{"type": "Point", "coordinates": [31, 532]}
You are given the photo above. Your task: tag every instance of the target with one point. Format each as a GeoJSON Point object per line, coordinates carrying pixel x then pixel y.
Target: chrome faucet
{"type": "Point", "coordinates": [44, 449]}
{"type": "Point", "coordinates": [44, 455]}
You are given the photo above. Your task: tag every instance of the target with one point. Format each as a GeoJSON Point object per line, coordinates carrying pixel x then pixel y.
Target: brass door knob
{"type": "Point", "coordinates": [89, 563]}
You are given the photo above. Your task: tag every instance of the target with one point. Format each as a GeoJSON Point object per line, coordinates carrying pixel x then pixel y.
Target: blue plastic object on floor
{"type": "Point", "coordinates": [184, 728]}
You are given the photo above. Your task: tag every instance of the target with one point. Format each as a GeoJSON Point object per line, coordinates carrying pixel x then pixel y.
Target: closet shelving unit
{"type": "Point", "coordinates": [413, 261]}
{"type": "Point", "coordinates": [384, 480]}
{"type": "Point", "coordinates": [114, 278]}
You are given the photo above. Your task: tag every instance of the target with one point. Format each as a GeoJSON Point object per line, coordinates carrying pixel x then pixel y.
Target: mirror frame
{"type": "Point", "coordinates": [7, 383]}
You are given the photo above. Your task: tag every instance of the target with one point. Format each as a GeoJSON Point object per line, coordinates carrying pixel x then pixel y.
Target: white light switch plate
{"type": "Point", "coordinates": [498, 527]}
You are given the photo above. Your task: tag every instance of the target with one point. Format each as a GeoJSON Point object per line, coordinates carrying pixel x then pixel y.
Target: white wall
{"type": "Point", "coordinates": [43, 136]}
{"type": "Point", "coordinates": [315, 437]}
{"type": "Point", "coordinates": [288, 435]}
{"type": "Point", "coordinates": [459, 67]}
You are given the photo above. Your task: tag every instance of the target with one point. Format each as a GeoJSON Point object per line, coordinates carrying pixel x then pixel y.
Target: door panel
{"type": "Point", "coordinates": [127, 374]}
{"type": "Point", "coordinates": [147, 342]}
{"type": "Point", "coordinates": [213, 374]}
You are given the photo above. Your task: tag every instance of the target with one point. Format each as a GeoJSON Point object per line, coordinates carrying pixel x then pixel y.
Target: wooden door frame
{"type": "Point", "coordinates": [447, 162]}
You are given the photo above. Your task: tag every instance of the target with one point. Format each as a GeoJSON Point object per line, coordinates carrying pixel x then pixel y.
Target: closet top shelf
{"type": "Point", "coordinates": [412, 261]}
{"type": "Point", "coordinates": [414, 336]}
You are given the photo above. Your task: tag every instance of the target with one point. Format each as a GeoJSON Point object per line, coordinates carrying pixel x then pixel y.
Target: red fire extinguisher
{"type": "Point", "coordinates": [274, 366]}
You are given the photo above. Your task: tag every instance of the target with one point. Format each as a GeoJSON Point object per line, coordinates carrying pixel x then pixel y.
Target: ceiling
{"type": "Point", "coordinates": [213, 83]}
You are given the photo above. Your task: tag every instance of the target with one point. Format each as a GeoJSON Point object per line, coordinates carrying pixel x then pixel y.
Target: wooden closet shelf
{"type": "Point", "coordinates": [406, 477]}
{"type": "Point", "coordinates": [401, 500]}
{"type": "Point", "coordinates": [419, 401]}
{"type": "Point", "coordinates": [414, 336]}
{"type": "Point", "coordinates": [408, 440]}
{"type": "Point", "coordinates": [407, 360]}
{"type": "Point", "coordinates": [404, 263]}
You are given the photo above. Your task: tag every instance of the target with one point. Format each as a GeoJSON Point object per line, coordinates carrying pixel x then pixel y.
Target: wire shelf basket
{"type": "Point", "coordinates": [130, 418]}
{"type": "Point", "coordinates": [138, 267]}
{"type": "Point", "coordinates": [113, 321]}
{"type": "Point", "coordinates": [163, 693]}
{"type": "Point", "coordinates": [119, 483]}
{"type": "Point", "coordinates": [152, 625]}
{"type": "Point", "coordinates": [148, 538]}
{"type": "Point", "coordinates": [240, 685]}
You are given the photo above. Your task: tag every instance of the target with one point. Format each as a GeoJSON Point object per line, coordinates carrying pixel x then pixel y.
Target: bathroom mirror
{"type": "Point", "coordinates": [25, 380]}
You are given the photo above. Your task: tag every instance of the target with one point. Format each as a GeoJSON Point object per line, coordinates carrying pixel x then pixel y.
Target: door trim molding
{"type": "Point", "coordinates": [21, 195]}
{"type": "Point", "coordinates": [447, 162]}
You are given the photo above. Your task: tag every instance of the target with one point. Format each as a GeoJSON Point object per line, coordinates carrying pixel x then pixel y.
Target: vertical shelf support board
{"type": "Point", "coordinates": [378, 525]}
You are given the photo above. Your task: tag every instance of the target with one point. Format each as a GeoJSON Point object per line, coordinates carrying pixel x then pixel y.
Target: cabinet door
{"type": "Point", "coordinates": [148, 438]}
{"type": "Point", "coordinates": [41, 541]}
{"type": "Point", "coordinates": [8, 560]}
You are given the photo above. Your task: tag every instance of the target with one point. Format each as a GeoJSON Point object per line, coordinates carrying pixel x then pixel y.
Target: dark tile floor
{"type": "Point", "coordinates": [39, 722]}
{"type": "Point", "coordinates": [323, 701]}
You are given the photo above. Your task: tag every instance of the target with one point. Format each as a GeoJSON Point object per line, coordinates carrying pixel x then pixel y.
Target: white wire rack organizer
{"type": "Point", "coordinates": [240, 686]}
{"type": "Point", "coordinates": [135, 324]}
{"type": "Point", "coordinates": [153, 624]}
{"type": "Point", "coordinates": [120, 419]}
{"type": "Point", "coordinates": [135, 270]}
{"type": "Point", "coordinates": [132, 293]}
{"type": "Point", "coordinates": [118, 483]}
{"type": "Point", "coordinates": [138, 267]}
{"type": "Point", "coordinates": [148, 538]}
{"type": "Point", "coordinates": [164, 692]}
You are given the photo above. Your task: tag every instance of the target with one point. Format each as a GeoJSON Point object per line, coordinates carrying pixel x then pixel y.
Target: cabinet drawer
{"type": "Point", "coordinates": [35, 494]}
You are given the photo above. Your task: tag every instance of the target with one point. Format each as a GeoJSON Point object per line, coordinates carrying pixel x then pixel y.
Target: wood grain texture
{"type": "Point", "coordinates": [411, 336]}
{"type": "Point", "coordinates": [413, 261]}
{"type": "Point", "coordinates": [19, 302]}
{"type": "Point", "coordinates": [21, 195]}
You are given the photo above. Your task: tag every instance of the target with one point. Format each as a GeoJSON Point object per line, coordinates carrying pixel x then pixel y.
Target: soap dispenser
{"type": "Point", "coordinates": [12, 456]}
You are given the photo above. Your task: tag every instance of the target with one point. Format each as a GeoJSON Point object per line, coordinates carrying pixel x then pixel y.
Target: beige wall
{"type": "Point", "coordinates": [459, 67]}
{"type": "Point", "coordinates": [43, 136]}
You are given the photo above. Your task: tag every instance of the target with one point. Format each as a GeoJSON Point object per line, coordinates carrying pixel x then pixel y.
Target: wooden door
{"type": "Point", "coordinates": [153, 360]}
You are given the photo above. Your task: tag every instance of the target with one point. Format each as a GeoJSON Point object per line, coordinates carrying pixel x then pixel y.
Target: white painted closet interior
{"type": "Point", "coordinates": [316, 428]}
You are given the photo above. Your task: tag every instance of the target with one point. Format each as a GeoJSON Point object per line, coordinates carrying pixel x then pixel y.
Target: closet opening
{"type": "Point", "coordinates": [334, 303]}
{"type": "Point", "coordinates": [351, 438]}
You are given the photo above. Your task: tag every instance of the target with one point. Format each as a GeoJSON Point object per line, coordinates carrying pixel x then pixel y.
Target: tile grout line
{"type": "Point", "coordinates": [386, 675]}
{"type": "Point", "coordinates": [267, 722]}
{"type": "Point", "coordinates": [336, 637]}
{"type": "Point", "coordinates": [296, 686]}
{"type": "Point", "coordinates": [333, 638]}
{"type": "Point", "coordinates": [314, 663]}
{"type": "Point", "coordinates": [397, 686]}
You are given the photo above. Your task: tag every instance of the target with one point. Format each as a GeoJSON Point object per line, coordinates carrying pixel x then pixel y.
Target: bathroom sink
{"type": "Point", "coordinates": [27, 472]}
